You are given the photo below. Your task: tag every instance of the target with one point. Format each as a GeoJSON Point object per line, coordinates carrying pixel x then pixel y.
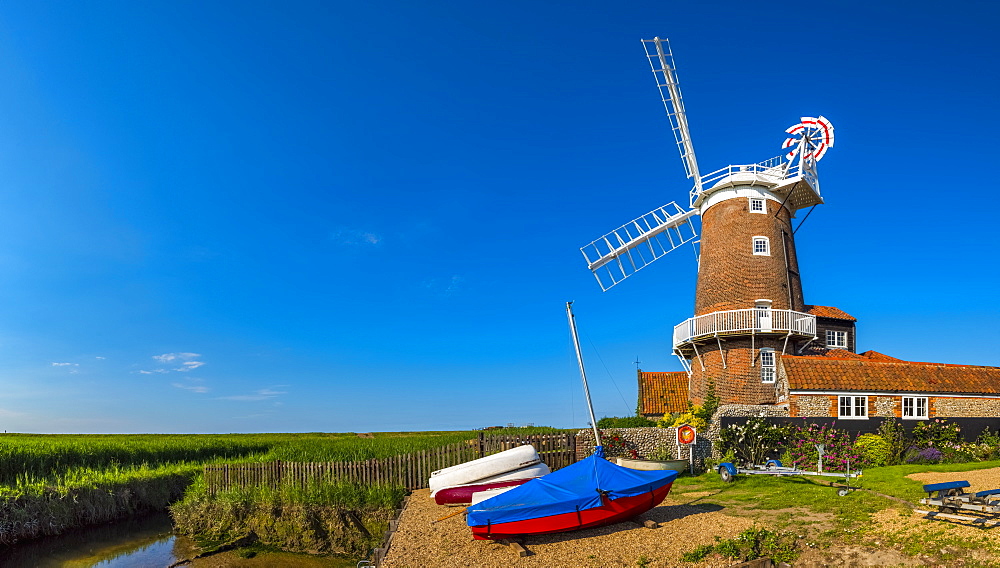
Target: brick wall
{"type": "Point", "coordinates": [891, 406]}
{"type": "Point", "coordinates": [738, 382]}
{"type": "Point", "coordinates": [730, 276]}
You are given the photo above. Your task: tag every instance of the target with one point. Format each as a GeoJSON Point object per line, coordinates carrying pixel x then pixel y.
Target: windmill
{"type": "Point", "coordinates": [748, 301]}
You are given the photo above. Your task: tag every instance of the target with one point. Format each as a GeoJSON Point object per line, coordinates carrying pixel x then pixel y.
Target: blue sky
{"type": "Point", "coordinates": [366, 216]}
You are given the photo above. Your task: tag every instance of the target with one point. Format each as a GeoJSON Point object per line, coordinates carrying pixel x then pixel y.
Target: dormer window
{"type": "Point", "coordinates": [836, 339]}
{"type": "Point", "coordinates": [757, 205]}
{"type": "Point", "coordinates": [761, 246]}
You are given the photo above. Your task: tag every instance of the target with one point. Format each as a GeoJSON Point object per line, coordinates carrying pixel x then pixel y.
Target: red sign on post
{"type": "Point", "coordinates": [686, 434]}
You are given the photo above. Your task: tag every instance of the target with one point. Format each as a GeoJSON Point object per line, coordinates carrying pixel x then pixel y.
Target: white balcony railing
{"type": "Point", "coordinates": [752, 320]}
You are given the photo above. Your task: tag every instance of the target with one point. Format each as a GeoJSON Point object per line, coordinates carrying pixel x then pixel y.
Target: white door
{"type": "Point", "coordinates": [763, 317]}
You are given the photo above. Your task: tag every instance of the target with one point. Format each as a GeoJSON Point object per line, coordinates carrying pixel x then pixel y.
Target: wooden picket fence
{"type": "Point", "coordinates": [411, 470]}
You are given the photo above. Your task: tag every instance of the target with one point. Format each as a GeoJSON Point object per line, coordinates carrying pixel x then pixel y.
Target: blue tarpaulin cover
{"type": "Point", "coordinates": [577, 487]}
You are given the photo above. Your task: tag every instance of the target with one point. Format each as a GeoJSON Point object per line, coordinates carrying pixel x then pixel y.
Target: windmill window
{"type": "Point", "coordinates": [915, 407]}
{"type": "Point", "coordinates": [853, 407]}
{"type": "Point", "coordinates": [767, 365]}
{"type": "Point", "coordinates": [757, 205]}
{"type": "Point", "coordinates": [761, 246]}
{"type": "Point", "coordinates": [836, 339]}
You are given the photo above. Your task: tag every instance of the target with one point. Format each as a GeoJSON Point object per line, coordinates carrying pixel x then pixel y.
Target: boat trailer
{"type": "Point", "coordinates": [950, 497]}
{"type": "Point", "coordinates": [727, 471]}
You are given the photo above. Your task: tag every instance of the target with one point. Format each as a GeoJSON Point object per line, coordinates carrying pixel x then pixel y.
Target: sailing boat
{"type": "Point", "coordinates": [590, 493]}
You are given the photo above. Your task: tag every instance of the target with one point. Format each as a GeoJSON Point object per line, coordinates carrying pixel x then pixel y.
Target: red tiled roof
{"type": "Point", "coordinates": [829, 312]}
{"type": "Point", "coordinates": [662, 392]}
{"type": "Point", "coordinates": [844, 354]}
{"type": "Point", "coordinates": [872, 371]}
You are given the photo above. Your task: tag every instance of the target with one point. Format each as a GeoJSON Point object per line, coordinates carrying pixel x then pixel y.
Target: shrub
{"type": "Point", "coordinates": [625, 422]}
{"type": "Point", "coordinates": [923, 455]}
{"type": "Point", "coordinates": [892, 433]}
{"type": "Point", "coordinates": [936, 433]}
{"type": "Point", "coordinates": [873, 448]}
{"type": "Point", "coordinates": [753, 441]}
{"type": "Point", "coordinates": [616, 446]}
{"type": "Point", "coordinates": [837, 447]}
{"type": "Point", "coordinates": [693, 417]}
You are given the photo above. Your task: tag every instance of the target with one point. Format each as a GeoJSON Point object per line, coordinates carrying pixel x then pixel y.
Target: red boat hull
{"type": "Point", "coordinates": [462, 494]}
{"type": "Point", "coordinates": [609, 513]}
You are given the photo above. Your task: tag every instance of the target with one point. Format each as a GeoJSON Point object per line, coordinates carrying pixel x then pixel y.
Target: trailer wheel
{"type": "Point", "coordinates": [725, 475]}
{"type": "Point", "coordinates": [843, 492]}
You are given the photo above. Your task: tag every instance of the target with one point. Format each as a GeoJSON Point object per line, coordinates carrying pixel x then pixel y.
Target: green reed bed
{"type": "Point", "coordinates": [32, 508]}
{"type": "Point", "coordinates": [325, 517]}
{"type": "Point", "coordinates": [43, 456]}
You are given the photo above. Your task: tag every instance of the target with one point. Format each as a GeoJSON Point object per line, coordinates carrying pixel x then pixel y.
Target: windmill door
{"type": "Point", "coordinates": [762, 313]}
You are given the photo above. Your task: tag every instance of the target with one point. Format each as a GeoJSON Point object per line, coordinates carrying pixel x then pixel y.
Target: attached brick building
{"type": "Point", "coordinates": [853, 386]}
{"type": "Point", "coordinates": [662, 393]}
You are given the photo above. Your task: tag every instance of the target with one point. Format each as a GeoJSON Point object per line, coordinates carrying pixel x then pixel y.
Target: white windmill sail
{"type": "Point", "coordinates": [631, 247]}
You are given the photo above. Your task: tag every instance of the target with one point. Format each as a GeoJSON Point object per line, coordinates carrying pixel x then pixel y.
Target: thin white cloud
{"type": "Point", "coordinates": [262, 394]}
{"type": "Point", "coordinates": [168, 357]}
{"type": "Point", "coordinates": [355, 237]}
{"type": "Point", "coordinates": [99, 357]}
{"type": "Point", "coordinates": [154, 371]}
{"type": "Point", "coordinates": [65, 364]}
{"type": "Point", "coordinates": [189, 366]}
{"type": "Point", "coordinates": [192, 388]}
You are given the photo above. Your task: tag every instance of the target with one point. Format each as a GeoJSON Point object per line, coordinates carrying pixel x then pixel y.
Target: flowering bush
{"type": "Point", "coordinates": [838, 450]}
{"type": "Point", "coordinates": [753, 441]}
{"type": "Point", "coordinates": [925, 455]}
{"type": "Point", "coordinates": [616, 446]}
{"type": "Point", "coordinates": [693, 417]}
{"type": "Point", "coordinates": [936, 433]}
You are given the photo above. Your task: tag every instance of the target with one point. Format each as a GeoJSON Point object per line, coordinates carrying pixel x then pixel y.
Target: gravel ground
{"type": "Point", "coordinates": [418, 543]}
{"type": "Point", "coordinates": [980, 479]}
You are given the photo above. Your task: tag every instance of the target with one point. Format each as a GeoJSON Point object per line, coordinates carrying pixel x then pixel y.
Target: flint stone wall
{"type": "Point", "coordinates": [643, 444]}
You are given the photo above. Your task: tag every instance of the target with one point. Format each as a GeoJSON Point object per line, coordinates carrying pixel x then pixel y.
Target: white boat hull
{"type": "Point", "coordinates": [482, 468]}
{"type": "Point", "coordinates": [530, 472]}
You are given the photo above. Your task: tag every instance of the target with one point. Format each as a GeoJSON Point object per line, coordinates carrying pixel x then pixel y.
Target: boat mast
{"type": "Point", "coordinates": [583, 372]}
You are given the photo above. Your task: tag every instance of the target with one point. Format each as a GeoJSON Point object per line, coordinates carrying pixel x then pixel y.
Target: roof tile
{"type": "Point", "coordinates": [663, 392]}
{"type": "Point", "coordinates": [829, 312]}
{"type": "Point", "coordinates": [877, 372]}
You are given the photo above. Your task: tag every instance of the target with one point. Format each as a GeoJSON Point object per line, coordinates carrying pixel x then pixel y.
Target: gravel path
{"type": "Point", "coordinates": [980, 479]}
{"type": "Point", "coordinates": [449, 543]}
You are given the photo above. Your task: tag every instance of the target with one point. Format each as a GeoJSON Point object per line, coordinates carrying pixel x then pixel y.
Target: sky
{"type": "Point", "coordinates": [366, 216]}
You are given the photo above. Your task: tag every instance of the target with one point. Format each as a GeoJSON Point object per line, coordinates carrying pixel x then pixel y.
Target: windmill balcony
{"type": "Point", "coordinates": [752, 321]}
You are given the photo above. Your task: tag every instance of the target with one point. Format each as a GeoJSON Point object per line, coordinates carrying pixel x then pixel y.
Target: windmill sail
{"type": "Point", "coordinates": [661, 60]}
{"type": "Point", "coordinates": [631, 247]}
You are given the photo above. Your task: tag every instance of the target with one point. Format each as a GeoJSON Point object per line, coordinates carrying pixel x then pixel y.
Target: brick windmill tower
{"type": "Point", "coordinates": [749, 308]}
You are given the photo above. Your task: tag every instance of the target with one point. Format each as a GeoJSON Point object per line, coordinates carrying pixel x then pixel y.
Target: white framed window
{"type": "Point", "coordinates": [761, 246]}
{"type": "Point", "coordinates": [767, 366]}
{"type": "Point", "coordinates": [757, 205]}
{"type": "Point", "coordinates": [836, 339]}
{"type": "Point", "coordinates": [853, 407]}
{"type": "Point", "coordinates": [915, 407]}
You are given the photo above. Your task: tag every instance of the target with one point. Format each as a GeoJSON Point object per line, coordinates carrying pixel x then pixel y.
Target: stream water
{"type": "Point", "coordinates": [145, 542]}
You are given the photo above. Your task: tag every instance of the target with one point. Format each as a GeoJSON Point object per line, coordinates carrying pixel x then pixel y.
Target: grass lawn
{"type": "Point", "coordinates": [813, 511]}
